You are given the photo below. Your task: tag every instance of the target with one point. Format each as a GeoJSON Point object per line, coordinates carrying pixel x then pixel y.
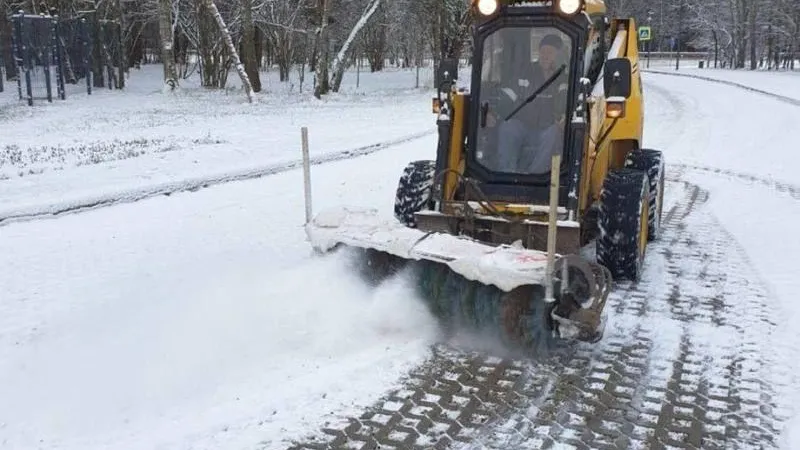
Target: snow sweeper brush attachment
{"type": "Point", "coordinates": [498, 291]}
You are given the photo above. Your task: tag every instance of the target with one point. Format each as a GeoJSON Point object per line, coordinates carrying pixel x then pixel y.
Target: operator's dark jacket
{"type": "Point", "coordinates": [549, 105]}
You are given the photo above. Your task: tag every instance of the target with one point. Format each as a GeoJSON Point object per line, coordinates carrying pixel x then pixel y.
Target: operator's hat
{"type": "Point", "coordinates": [551, 40]}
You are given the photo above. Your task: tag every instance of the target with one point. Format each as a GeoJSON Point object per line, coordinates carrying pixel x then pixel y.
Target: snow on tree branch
{"type": "Point", "coordinates": [362, 22]}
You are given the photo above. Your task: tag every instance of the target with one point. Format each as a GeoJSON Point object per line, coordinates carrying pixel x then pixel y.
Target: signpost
{"type": "Point", "coordinates": [645, 36]}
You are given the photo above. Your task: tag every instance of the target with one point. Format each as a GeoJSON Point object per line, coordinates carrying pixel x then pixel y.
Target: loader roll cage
{"type": "Point", "coordinates": [482, 151]}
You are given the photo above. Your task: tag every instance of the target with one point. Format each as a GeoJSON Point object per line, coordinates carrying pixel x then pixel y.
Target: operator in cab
{"type": "Point", "coordinates": [534, 132]}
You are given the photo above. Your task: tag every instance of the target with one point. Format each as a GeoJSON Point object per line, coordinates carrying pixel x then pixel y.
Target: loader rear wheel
{"type": "Point", "coordinates": [622, 223]}
{"type": "Point", "coordinates": [652, 162]}
{"type": "Point", "coordinates": [414, 191]}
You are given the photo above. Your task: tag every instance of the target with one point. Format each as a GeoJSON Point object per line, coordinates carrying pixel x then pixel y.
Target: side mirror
{"type": "Point", "coordinates": [617, 78]}
{"type": "Point", "coordinates": [447, 72]}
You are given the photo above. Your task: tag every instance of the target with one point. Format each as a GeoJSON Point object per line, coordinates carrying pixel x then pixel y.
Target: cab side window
{"type": "Point", "coordinates": [596, 49]}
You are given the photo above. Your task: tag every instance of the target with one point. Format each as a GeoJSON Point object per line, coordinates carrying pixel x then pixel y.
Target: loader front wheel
{"type": "Point", "coordinates": [652, 162]}
{"type": "Point", "coordinates": [623, 223]}
{"type": "Point", "coordinates": [414, 191]}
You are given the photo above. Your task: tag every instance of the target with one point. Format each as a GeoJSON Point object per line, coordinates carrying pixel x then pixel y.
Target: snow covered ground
{"type": "Point", "coordinates": [131, 144]}
{"type": "Point", "coordinates": [201, 320]}
{"type": "Point", "coordinates": [190, 320]}
{"type": "Point", "coordinates": [780, 82]}
{"type": "Point", "coordinates": [722, 127]}
{"type": "Point", "coordinates": [736, 145]}
{"type": "Point", "coordinates": [198, 320]}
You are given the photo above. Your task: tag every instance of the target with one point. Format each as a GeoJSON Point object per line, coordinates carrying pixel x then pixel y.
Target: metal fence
{"type": "Point", "coordinates": [37, 54]}
{"type": "Point", "coordinates": [49, 52]}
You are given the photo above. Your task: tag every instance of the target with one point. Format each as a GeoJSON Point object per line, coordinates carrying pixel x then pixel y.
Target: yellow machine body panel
{"type": "Point", "coordinates": [455, 155]}
{"type": "Point", "coordinates": [610, 139]}
{"type": "Point", "coordinates": [595, 7]}
{"type": "Point", "coordinates": [631, 126]}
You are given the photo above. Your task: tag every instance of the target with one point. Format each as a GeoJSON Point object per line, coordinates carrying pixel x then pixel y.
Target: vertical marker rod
{"type": "Point", "coordinates": [307, 174]}
{"type": "Point", "coordinates": [555, 172]}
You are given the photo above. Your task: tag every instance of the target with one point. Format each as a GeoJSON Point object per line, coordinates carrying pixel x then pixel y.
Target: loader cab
{"type": "Point", "coordinates": [527, 65]}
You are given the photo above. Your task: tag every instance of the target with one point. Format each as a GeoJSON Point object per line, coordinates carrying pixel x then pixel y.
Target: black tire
{"type": "Point", "coordinates": [621, 219]}
{"type": "Point", "coordinates": [414, 191]}
{"type": "Point", "coordinates": [652, 162]}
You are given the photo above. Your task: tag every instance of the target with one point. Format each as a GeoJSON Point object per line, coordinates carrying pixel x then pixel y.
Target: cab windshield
{"type": "Point", "coordinates": [520, 64]}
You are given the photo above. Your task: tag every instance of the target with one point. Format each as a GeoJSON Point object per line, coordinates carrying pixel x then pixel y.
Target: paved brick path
{"type": "Point", "coordinates": [681, 366]}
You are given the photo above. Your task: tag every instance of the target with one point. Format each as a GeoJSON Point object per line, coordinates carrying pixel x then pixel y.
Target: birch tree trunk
{"type": "Point", "coordinates": [323, 45]}
{"type": "Point", "coordinates": [167, 45]}
{"type": "Point", "coordinates": [249, 56]}
{"type": "Point", "coordinates": [339, 64]}
{"type": "Point", "coordinates": [248, 88]}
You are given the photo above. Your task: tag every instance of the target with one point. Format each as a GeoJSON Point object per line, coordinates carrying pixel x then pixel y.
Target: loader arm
{"type": "Point", "coordinates": [611, 139]}
{"type": "Point", "coordinates": [454, 152]}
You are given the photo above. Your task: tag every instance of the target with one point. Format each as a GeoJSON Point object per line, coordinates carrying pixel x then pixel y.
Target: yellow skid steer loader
{"type": "Point", "coordinates": [498, 239]}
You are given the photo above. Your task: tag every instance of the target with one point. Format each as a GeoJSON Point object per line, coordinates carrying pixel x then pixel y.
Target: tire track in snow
{"type": "Point", "coordinates": [451, 400]}
{"type": "Point", "coordinates": [678, 108]}
{"type": "Point", "coordinates": [194, 184]}
{"type": "Point", "coordinates": [782, 98]}
{"type": "Point", "coordinates": [688, 366]}
{"type": "Point", "coordinates": [787, 188]}
{"type": "Point", "coordinates": [673, 102]}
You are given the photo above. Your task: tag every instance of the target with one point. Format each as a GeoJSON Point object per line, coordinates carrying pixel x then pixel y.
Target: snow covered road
{"type": "Point", "coordinates": [701, 354]}
{"type": "Point", "coordinates": [197, 319]}
{"type": "Point", "coordinates": [781, 85]}
{"type": "Point", "coordinates": [201, 320]}
{"type": "Point", "coordinates": [684, 364]}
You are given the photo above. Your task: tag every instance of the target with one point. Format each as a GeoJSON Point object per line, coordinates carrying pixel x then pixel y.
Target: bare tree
{"type": "Point", "coordinates": [166, 32]}
{"type": "Point", "coordinates": [322, 46]}
{"type": "Point", "coordinates": [210, 48]}
{"type": "Point", "coordinates": [226, 35]}
{"type": "Point", "coordinates": [374, 41]}
{"type": "Point", "coordinates": [249, 45]}
{"type": "Point", "coordinates": [339, 62]}
{"type": "Point", "coordinates": [285, 31]}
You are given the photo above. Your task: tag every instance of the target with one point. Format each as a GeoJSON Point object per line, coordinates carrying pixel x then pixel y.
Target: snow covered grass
{"type": "Point", "coordinates": [140, 137]}
{"type": "Point", "coordinates": [35, 160]}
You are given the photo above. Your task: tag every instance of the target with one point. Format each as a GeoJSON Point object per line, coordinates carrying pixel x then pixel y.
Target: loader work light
{"type": "Point", "coordinates": [615, 107]}
{"type": "Point", "coordinates": [487, 7]}
{"type": "Point", "coordinates": [569, 7]}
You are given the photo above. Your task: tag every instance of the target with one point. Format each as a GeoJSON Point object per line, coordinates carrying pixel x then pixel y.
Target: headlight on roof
{"type": "Point", "coordinates": [487, 7]}
{"type": "Point", "coordinates": [569, 7]}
